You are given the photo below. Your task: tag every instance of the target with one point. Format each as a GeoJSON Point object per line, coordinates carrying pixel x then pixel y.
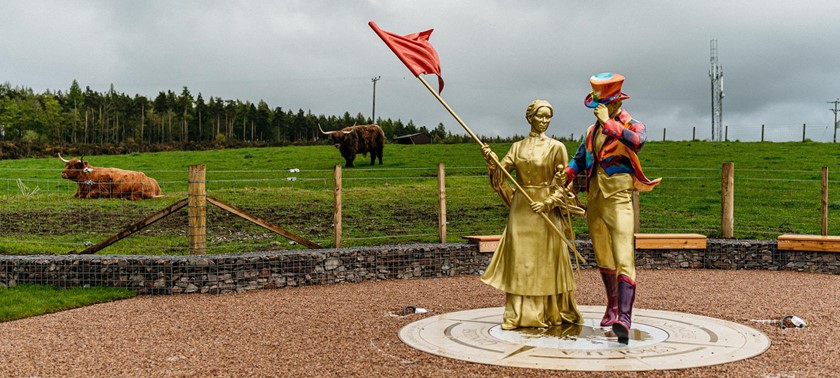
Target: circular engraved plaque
{"type": "Point", "coordinates": [658, 340]}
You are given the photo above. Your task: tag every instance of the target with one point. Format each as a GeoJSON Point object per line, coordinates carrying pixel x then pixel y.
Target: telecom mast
{"type": "Point", "coordinates": [716, 75]}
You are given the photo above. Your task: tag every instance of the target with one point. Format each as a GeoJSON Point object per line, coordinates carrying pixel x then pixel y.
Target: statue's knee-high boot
{"type": "Point", "coordinates": [626, 297]}
{"type": "Point", "coordinates": [611, 314]}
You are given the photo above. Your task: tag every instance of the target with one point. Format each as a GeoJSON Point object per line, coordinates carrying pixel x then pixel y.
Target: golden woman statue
{"type": "Point", "coordinates": [531, 263]}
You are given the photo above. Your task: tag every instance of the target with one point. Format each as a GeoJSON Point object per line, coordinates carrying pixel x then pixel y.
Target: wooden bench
{"type": "Point", "coordinates": [486, 243]}
{"type": "Point", "coordinates": [815, 243]}
{"type": "Point", "coordinates": [670, 241]}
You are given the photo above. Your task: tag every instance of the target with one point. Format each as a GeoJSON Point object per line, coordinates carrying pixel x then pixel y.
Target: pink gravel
{"type": "Point", "coordinates": [347, 330]}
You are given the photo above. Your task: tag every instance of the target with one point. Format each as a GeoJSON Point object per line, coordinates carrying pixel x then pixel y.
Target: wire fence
{"type": "Point", "coordinates": [802, 132]}
{"type": "Point", "coordinates": [39, 214]}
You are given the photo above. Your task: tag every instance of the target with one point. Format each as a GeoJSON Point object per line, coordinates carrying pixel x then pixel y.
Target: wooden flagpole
{"type": "Point", "coordinates": [507, 174]}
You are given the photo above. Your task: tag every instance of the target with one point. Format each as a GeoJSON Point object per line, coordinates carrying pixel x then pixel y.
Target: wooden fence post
{"type": "Point", "coordinates": [726, 134]}
{"type": "Point", "coordinates": [762, 132]}
{"type": "Point", "coordinates": [694, 133]}
{"type": "Point", "coordinates": [637, 224]}
{"type": "Point", "coordinates": [824, 203]}
{"type": "Point", "coordinates": [803, 132]}
{"type": "Point", "coordinates": [197, 210]}
{"type": "Point", "coordinates": [442, 201]}
{"type": "Point", "coordinates": [663, 133]}
{"type": "Point", "coordinates": [337, 206]}
{"type": "Point", "coordinates": [727, 200]}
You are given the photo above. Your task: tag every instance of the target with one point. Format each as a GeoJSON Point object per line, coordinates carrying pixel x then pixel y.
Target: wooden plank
{"type": "Point", "coordinates": [262, 223]}
{"type": "Point", "coordinates": [337, 206]}
{"type": "Point", "coordinates": [670, 241]}
{"type": "Point", "coordinates": [486, 243]}
{"type": "Point", "coordinates": [669, 236]}
{"type": "Point", "coordinates": [442, 202]}
{"type": "Point", "coordinates": [197, 205]}
{"type": "Point", "coordinates": [824, 203]}
{"type": "Point", "coordinates": [135, 227]}
{"type": "Point", "coordinates": [727, 200]}
{"type": "Point", "coordinates": [813, 243]}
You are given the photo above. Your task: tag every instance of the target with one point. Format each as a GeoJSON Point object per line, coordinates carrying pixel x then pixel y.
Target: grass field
{"type": "Point", "coordinates": [23, 301]}
{"type": "Point", "coordinates": [777, 190]}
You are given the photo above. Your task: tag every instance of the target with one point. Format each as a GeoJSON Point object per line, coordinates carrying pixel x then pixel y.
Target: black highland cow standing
{"type": "Point", "coordinates": [361, 139]}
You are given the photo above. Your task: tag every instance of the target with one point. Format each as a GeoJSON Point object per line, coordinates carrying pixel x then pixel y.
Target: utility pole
{"type": "Point", "coordinates": [835, 102]}
{"type": "Point", "coordinates": [716, 76]}
{"type": "Point", "coordinates": [373, 113]}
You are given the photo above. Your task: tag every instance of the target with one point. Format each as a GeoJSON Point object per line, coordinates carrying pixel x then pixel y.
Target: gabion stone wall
{"type": "Point", "coordinates": [248, 271]}
{"type": "Point", "coordinates": [719, 254]}
{"type": "Point", "coordinates": [740, 254]}
{"type": "Point", "coordinates": [264, 270]}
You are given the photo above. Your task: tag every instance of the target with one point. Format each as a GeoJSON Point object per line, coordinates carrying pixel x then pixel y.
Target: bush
{"type": "Point", "coordinates": [31, 136]}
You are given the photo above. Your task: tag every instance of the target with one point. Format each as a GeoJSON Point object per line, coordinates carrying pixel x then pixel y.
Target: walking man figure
{"type": "Point", "coordinates": [608, 158]}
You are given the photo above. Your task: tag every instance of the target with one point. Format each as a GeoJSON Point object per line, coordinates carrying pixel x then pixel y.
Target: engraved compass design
{"type": "Point", "coordinates": [658, 340]}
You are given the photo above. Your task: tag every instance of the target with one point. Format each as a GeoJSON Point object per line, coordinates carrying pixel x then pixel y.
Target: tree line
{"type": "Point", "coordinates": [86, 116]}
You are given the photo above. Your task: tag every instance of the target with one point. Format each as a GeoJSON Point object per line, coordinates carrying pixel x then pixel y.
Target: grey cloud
{"type": "Point", "coordinates": [779, 63]}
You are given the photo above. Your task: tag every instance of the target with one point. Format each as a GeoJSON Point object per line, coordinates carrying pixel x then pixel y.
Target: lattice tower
{"type": "Point", "coordinates": [716, 76]}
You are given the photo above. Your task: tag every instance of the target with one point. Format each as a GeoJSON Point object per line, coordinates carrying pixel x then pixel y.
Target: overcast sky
{"type": "Point", "coordinates": [781, 59]}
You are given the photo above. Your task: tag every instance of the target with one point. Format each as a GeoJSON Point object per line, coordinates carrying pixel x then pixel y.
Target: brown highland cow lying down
{"type": "Point", "coordinates": [99, 182]}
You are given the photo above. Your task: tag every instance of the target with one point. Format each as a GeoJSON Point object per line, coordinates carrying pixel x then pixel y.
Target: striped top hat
{"type": "Point", "coordinates": [606, 89]}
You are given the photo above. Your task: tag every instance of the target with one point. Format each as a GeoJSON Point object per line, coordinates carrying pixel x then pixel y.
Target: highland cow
{"type": "Point", "coordinates": [361, 139]}
{"type": "Point", "coordinates": [97, 182]}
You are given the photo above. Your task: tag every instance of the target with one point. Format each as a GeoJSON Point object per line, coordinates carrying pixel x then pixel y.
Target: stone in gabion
{"type": "Point", "coordinates": [252, 271]}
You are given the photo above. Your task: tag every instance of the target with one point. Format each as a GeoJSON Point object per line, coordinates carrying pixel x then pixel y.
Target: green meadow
{"type": "Point", "coordinates": [23, 301]}
{"type": "Point", "coordinates": [777, 190]}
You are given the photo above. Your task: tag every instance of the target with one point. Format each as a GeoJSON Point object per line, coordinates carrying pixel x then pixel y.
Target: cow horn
{"type": "Point", "coordinates": [322, 130]}
{"type": "Point", "coordinates": [63, 159]}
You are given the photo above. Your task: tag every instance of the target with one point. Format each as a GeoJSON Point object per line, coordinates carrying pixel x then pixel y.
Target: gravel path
{"type": "Point", "coordinates": [347, 330]}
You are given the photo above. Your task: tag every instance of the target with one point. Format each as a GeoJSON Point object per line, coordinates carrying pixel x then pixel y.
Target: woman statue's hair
{"type": "Point", "coordinates": [535, 105]}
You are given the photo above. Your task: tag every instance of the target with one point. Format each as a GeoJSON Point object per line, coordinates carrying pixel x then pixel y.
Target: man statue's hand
{"type": "Point", "coordinates": [561, 176]}
{"type": "Point", "coordinates": [601, 113]}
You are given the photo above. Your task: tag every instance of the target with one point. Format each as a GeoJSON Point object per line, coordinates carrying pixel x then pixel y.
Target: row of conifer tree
{"type": "Point", "coordinates": [86, 116]}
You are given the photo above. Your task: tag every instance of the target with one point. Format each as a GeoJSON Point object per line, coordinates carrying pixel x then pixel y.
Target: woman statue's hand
{"type": "Point", "coordinates": [489, 155]}
{"type": "Point", "coordinates": [541, 206]}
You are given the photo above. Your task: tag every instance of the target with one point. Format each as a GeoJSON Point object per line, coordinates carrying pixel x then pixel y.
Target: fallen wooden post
{"type": "Point", "coordinates": [135, 227]}
{"type": "Point", "coordinates": [262, 223]}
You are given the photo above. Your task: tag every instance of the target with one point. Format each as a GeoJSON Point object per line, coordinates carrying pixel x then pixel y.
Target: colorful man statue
{"type": "Point", "coordinates": [607, 156]}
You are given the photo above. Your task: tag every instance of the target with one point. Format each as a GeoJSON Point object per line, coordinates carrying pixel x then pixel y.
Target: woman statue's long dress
{"type": "Point", "coordinates": [531, 263]}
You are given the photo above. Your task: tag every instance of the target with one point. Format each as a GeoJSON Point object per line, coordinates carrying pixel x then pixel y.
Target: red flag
{"type": "Point", "coordinates": [414, 50]}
